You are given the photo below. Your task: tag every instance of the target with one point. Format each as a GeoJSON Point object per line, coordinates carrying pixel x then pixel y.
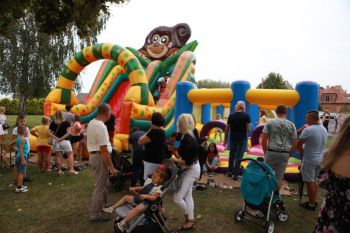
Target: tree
{"type": "Point", "coordinates": [274, 81]}
{"type": "Point", "coordinates": [30, 61]}
{"type": "Point", "coordinates": [57, 17]}
{"type": "Point", "coordinates": [208, 83]}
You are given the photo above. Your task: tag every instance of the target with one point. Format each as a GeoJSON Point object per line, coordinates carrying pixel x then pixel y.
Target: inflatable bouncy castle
{"type": "Point", "coordinates": [128, 79]}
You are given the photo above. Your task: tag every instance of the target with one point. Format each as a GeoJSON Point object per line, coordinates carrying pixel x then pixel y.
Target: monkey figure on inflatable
{"type": "Point", "coordinates": [163, 42]}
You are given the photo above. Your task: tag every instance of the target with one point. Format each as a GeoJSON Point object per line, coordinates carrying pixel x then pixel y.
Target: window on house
{"type": "Point", "coordinates": [327, 98]}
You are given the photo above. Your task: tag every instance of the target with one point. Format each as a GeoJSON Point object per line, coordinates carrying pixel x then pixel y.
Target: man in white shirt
{"type": "Point", "coordinates": [99, 148]}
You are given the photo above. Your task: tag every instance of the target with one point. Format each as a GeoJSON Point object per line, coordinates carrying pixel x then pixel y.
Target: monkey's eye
{"type": "Point", "coordinates": [164, 39]}
{"type": "Point", "coordinates": [155, 38]}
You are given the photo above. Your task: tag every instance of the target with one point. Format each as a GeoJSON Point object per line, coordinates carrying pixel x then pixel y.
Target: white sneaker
{"type": "Point", "coordinates": [108, 210]}
{"type": "Point", "coordinates": [121, 226]}
{"type": "Point", "coordinates": [21, 190]}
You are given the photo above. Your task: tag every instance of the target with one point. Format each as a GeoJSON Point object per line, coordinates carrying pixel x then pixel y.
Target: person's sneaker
{"type": "Point", "coordinates": [306, 205]}
{"type": "Point", "coordinates": [21, 190]}
{"type": "Point", "coordinates": [73, 173]}
{"type": "Point", "coordinates": [121, 226]}
{"type": "Point", "coordinates": [100, 218]}
{"type": "Point", "coordinates": [108, 210]}
{"type": "Point", "coordinates": [60, 173]}
{"type": "Point", "coordinates": [236, 178]}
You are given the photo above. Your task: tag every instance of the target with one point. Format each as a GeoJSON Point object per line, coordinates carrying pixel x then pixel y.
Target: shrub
{"type": "Point", "coordinates": [33, 107]}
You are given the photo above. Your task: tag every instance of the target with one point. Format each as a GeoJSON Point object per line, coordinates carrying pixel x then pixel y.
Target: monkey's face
{"type": "Point", "coordinates": [158, 46]}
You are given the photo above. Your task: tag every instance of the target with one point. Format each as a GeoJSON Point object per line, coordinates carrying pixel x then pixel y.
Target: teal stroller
{"type": "Point", "coordinates": [258, 188]}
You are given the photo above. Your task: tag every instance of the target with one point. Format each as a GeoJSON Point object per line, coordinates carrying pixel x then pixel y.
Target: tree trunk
{"type": "Point", "coordinates": [22, 104]}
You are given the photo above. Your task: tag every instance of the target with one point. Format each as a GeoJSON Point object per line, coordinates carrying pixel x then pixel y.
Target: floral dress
{"type": "Point", "coordinates": [335, 210]}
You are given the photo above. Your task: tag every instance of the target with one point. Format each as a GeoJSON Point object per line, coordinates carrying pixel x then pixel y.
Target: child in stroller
{"type": "Point", "coordinates": [259, 191]}
{"type": "Point", "coordinates": [151, 218]}
{"type": "Point", "coordinates": [142, 197]}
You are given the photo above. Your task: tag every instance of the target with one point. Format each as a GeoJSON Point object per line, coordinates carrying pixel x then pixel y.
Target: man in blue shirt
{"type": "Point", "coordinates": [311, 145]}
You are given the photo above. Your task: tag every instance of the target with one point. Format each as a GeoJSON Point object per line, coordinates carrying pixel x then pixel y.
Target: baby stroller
{"type": "Point", "coordinates": [122, 163]}
{"type": "Point", "coordinates": [152, 219]}
{"type": "Point", "coordinates": [258, 188]}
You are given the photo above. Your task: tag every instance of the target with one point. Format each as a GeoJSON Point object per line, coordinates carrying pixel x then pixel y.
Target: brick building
{"type": "Point", "coordinates": [334, 99]}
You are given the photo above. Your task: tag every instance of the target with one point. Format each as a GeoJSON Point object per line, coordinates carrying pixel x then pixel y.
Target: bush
{"type": "Point", "coordinates": [33, 106]}
{"type": "Point", "coordinates": [13, 108]}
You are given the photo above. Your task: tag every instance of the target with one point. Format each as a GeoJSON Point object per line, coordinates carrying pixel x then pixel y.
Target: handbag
{"type": "Point", "coordinates": [5, 126]}
{"type": "Point", "coordinates": [50, 142]}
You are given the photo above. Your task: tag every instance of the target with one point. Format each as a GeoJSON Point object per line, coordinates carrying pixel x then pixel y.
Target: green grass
{"type": "Point", "coordinates": [64, 205]}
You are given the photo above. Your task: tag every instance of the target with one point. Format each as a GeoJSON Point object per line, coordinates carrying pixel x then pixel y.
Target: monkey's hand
{"type": "Point", "coordinates": [143, 54]}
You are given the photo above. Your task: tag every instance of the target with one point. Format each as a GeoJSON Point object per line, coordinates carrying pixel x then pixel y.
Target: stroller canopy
{"type": "Point", "coordinates": [258, 182]}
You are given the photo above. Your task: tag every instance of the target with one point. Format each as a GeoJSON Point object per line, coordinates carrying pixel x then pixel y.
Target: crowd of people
{"type": "Point", "coordinates": [63, 137]}
{"type": "Point", "coordinates": [280, 140]}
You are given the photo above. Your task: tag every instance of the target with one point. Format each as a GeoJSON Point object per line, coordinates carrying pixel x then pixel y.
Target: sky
{"type": "Point", "coordinates": [246, 39]}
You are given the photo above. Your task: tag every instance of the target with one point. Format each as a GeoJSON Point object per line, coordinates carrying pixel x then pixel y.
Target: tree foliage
{"type": "Point", "coordinates": [274, 81]}
{"type": "Point", "coordinates": [208, 83]}
{"type": "Point", "coordinates": [58, 16]}
{"type": "Point", "coordinates": [31, 61]}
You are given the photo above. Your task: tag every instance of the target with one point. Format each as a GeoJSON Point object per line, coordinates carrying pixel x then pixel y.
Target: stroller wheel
{"type": "Point", "coordinates": [270, 227]}
{"type": "Point", "coordinates": [282, 216]}
{"type": "Point", "coordinates": [239, 216]}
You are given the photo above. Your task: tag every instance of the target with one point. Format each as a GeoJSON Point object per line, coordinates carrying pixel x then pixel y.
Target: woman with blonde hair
{"type": "Point", "coordinates": [335, 210]}
{"type": "Point", "coordinates": [60, 130]}
{"type": "Point", "coordinates": [187, 158]}
{"type": "Point", "coordinates": [3, 133]}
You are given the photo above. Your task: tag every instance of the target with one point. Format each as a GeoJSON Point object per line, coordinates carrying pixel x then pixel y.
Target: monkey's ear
{"type": "Point", "coordinates": [170, 44]}
{"type": "Point", "coordinates": [182, 32]}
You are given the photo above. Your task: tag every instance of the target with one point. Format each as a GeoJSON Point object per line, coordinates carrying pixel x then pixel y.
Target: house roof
{"type": "Point", "coordinates": [342, 97]}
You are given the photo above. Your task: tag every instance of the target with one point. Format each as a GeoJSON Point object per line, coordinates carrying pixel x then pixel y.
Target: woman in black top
{"type": "Point", "coordinates": [187, 158]}
{"type": "Point", "coordinates": [154, 141]}
{"type": "Point", "coordinates": [59, 130]}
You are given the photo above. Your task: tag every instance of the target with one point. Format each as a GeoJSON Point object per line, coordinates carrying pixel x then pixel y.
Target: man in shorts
{"type": "Point", "coordinates": [311, 145]}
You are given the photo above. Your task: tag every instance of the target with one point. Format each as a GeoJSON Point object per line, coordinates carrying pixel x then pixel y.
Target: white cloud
{"type": "Point", "coordinates": [301, 39]}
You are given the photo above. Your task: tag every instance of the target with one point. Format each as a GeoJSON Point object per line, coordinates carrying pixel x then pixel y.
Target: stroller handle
{"type": "Point", "coordinates": [257, 162]}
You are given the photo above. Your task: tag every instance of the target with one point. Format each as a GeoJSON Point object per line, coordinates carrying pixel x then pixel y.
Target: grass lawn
{"type": "Point", "coordinates": [64, 206]}
{"type": "Point", "coordinates": [61, 204]}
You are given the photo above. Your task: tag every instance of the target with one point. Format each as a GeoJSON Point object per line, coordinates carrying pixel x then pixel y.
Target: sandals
{"type": "Point", "coordinates": [306, 205]}
{"type": "Point", "coordinates": [186, 228]}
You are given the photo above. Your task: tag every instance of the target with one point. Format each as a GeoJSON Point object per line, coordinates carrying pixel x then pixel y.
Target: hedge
{"type": "Point", "coordinates": [33, 106]}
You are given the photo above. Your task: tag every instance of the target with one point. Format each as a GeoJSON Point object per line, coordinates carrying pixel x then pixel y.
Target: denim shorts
{"type": "Point", "coordinates": [138, 201]}
{"type": "Point", "coordinates": [310, 171]}
{"type": "Point", "coordinates": [20, 168]}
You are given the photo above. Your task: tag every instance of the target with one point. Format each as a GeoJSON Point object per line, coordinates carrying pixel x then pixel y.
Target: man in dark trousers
{"type": "Point", "coordinates": [238, 124]}
{"type": "Point", "coordinates": [137, 163]}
